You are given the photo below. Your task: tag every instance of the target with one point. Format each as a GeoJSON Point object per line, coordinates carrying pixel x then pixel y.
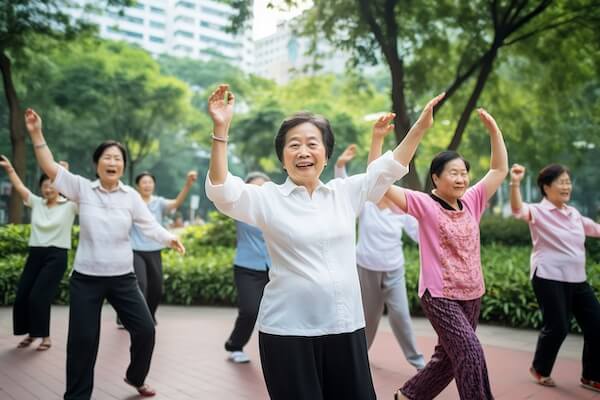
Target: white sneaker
{"type": "Point", "coordinates": [238, 357]}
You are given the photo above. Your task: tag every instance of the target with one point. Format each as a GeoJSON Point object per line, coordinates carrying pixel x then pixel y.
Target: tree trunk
{"type": "Point", "coordinates": [17, 137]}
{"type": "Point", "coordinates": [402, 120]}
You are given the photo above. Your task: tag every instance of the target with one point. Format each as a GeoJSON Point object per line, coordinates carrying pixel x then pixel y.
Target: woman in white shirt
{"type": "Point", "coordinates": [380, 262]}
{"type": "Point", "coordinates": [103, 267]}
{"type": "Point", "coordinates": [311, 324]}
{"type": "Point", "coordinates": [49, 243]}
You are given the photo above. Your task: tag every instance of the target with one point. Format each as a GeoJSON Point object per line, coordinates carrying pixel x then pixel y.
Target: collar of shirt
{"type": "Point", "coordinates": [548, 205]}
{"type": "Point", "coordinates": [96, 185]}
{"type": "Point", "coordinates": [289, 186]}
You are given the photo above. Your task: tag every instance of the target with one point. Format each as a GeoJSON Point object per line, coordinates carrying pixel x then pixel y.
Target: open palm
{"type": "Point", "coordinates": [33, 122]}
{"type": "Point", "coordinates": [425, 120]}
{"type": "Point", "coordinates": [220, 105]}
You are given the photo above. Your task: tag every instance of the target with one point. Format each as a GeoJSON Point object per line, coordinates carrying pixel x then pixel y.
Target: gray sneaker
{"type": "Point", "coordinates": [238, 357]}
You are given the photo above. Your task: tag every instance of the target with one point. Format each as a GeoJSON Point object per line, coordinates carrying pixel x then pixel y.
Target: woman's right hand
{"type": "Point", "coordinates": [33, 122]}
{"type": "Point", "coordinates": [5, 163]}
{"type": "Point", "coordinates": [220, 106]}
{"type": "Point", "coordinates": [348, 154]}
{"type": "Point", "coordinates": [517, 172]}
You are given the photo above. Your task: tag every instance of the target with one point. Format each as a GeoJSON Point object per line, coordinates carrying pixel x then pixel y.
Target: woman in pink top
{"type": "Point", "coordinates": [451, 281]}
{"type": "Point", "coordinates": [558, 276]}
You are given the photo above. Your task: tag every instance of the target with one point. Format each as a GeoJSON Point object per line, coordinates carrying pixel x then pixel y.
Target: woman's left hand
{"type": "Point", "coordinates": [176, 245]}
{"type": "Point", "coordinates": [488, 121]}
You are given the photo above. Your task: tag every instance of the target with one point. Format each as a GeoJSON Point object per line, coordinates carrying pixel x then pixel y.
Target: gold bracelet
{"type": "Point", "coordinates": [219, 139]}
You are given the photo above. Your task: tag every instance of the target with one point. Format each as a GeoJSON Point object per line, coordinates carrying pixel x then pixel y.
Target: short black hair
{"type": "Point", "coordinates": [299, 118]}
{"type": "Point", "coordinates": [441, 159]}
{"type": "Point", "coordinates": [105, 145]}
{"type": "Point", "coordinates": [549, 174]}
{"type": "Point", "coordinates": [43, 178]}
{"type": "Point", "coordinates": [143, 174]}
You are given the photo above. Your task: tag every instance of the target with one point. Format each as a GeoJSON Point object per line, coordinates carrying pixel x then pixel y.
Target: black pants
{"type": "Point", "coordinates": [250, 285]}
{"type": "Point", "coordinates": [326, 367]}
{"type": "Point", "coordinates": [37, 288]}
{"type": "Point", "coordinates": [87, 296]}
{"type": "Point", "coordinates": [559, 301]}
{"type": "Point", "coordinates": [149, 271]}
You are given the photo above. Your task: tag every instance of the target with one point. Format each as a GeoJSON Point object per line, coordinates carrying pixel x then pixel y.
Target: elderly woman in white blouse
{"type": "Point", "coordinates": [103, 267]}
{"type": "Point", "coordinates": [311, 324]}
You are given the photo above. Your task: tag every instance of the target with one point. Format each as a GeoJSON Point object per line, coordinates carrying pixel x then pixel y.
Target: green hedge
{"type": "Point", "coordinates": [204, 275]}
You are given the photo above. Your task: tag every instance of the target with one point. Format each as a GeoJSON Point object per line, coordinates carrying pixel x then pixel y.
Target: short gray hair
{"type": "Point", "coordinates": [256, 175]}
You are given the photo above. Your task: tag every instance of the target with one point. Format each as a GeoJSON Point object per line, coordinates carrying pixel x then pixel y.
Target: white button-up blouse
{"type": "Point", "coordinates": [313, 288]}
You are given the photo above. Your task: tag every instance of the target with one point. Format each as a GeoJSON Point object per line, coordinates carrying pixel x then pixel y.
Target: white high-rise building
{"type": "Point", "coordinates": [282, 56]}
{"type": "Point", "coordinates": [184, 28]}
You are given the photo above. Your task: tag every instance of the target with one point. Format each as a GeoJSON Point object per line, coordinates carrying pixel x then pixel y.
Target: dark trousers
{"type": "Point", "coordinates": [37, 288]}
{"type": "Point", "coordinates": [559, 302]}
{"type": "Point", "coordinates": [250, 285]}
{"type": "Point", "coordinates": [87, 296]}
{"type": "Point", "coordinates": [149, 272]}
{"type": "Point", "coordinates": [458, 354]}
{"type": "Point", "coordinates": [326, 367]}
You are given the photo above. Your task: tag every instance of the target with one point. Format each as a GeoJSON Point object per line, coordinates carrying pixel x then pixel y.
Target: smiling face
{"type": "Point", "coordinates": [559, 191]}
{"type": "Point", "coordinates": [304, 154]}
{"type": "Point", "coordinates": [453, 182]}
{"type": "Point", "coordinates": [48, 191]}
{"type": "Point", "coordinates": [145, 186]}
{"type": "Point", "coordinates": [110, 166]}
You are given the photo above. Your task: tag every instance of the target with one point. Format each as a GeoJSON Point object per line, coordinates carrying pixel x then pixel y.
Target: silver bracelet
{"type": "Point", "coordinates": [219, 139]}
{"type": "Point", "coordinates": [39, 146]}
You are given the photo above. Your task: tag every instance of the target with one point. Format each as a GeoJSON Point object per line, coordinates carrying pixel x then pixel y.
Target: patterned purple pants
{"type": "Point", "coordinates": [458, 354]}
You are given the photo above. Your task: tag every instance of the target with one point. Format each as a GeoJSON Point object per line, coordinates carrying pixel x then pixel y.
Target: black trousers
{"type": "Point", "coordinates": [559, 302]}
{"type": "Point", "coordinates": [250, 285]}
{"type": "Point", "coordinates": [87, 296]}
{"type": "Point", "coordinates": [44, 269]}
{"type": "Point", "coordinates": [149, 272]}
{"type": "Point", "coordinates": [326, 367]}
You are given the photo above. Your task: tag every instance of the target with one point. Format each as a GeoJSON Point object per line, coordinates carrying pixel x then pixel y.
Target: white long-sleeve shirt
{"type": "Point", "coordinates": [313, 288]}
{"type": "Point", "coordinates": [105, 219]}
{"type": "Point", "coordinates": [380, 232]}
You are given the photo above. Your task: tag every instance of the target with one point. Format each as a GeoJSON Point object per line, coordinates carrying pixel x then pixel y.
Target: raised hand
{"type": "Point", "coordinates": [5, 163]}
{"type": "Point", "coordinates": [192, 176]}
{"type": "Point", "coordinates": [517, 173]}
{"type": "Point", "coordinates": [488, 121]}
{"type": "Point", "coordinates": [348, 154]}
{"type": "Point", "coordinates": [220, 106]}
{"type": "Point", "coordinates": [383, 125]}
{"type": "Point", "coordinates": [33, 122]}
{"type": "Point", "coordinates": [425, 120]}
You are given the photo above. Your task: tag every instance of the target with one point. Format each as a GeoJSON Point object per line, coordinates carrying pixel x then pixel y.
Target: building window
{"type": "Point", "coordinates": [157, 25]}
{"type": "Point", "coordinates": [157, 10]}
{"type": "Point", "coordinates": [185, 19]}
{"type": "Point", "coordinates": [133, 35]}
{"type": "Point", "coordinates": [185, 34]}
{"type": "Point", "coordinates": [218, 42]}
{"type": "Point", "coordinates": [138, 5]}
{"type": "Point", "coordinates": [213, 11]}
{"type": "Point", "coordinates": [215, 27]}
{"type": "Point", "coordinates": [134, 20]}
{"type": "Point", "coordinates": [185, 4]}
{"type": "Point", "coordinates": [156, 39]}
{"type": "Point", "coordinates": [181, 47]}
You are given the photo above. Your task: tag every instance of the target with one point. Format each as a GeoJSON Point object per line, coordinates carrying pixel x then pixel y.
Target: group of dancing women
{"type": "Point", "coordinates": [317, 294]}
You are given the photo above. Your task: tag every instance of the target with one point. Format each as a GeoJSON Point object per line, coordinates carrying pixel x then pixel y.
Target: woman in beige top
{"type": "Point", "coordinates": [49, 242]}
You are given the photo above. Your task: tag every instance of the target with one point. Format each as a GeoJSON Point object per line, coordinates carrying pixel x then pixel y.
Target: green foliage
{"type": "Point", "coordinates": [219, 232]}
{"type": "Point", "coordinates": [506, 231]}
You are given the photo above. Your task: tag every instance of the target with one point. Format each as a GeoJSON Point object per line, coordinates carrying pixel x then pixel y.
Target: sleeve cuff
{"type": "Point", "coordinates": [227, 192]}
{"type": "Point", "coordinates": [388, 163]}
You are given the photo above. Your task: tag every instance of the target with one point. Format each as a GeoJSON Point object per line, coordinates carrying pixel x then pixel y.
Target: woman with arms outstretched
{"type": "Point", "coordinates": [311, 324]}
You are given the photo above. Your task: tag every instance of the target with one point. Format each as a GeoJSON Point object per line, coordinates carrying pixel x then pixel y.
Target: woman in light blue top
{"type": "Point", "coordinates": [251, 274]}
{"type": "Point", "coordinates": [147, 261]}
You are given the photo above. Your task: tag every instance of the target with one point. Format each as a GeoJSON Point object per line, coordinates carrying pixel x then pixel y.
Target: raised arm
{"type": "Point", "coordinates": [405, 151]}
{"type": "Point", "coordinates": [517, 172]}
{"type": "Point", "coordinates": [220, 109]}
{"type": "Point", "coordinates": [14, 179]}
{"type": "Point", "coordinates": [175, 203]}
{"type": "Point", "coordinates": [340, 165]}
{"type": "Point", "coordinates": [381, 129]}
{"type": "Point", "coordinates": [41, 149]}
{"type": "Point", "coordinates": [499, 157]}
